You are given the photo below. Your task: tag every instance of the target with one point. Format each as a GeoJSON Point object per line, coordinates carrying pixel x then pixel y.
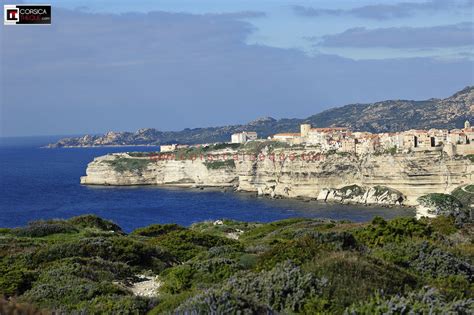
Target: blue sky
{"type": "Point", "coordinates": [124, 65]}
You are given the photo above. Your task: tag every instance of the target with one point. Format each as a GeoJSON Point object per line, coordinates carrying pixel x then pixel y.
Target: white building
{"type": "Point", "coordinates": [243, 137]}
{"type": "Point", "coordinates": [172, 147]}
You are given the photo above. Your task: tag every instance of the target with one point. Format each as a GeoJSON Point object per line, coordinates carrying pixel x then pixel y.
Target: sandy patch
{"type": "Point", "coordinates": [147, 287]}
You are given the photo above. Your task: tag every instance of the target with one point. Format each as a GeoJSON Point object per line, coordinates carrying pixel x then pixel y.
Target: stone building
{"type": "Point", "coordinates": [243, 137]}
{"type": "Point", "coordinates": [289, 137]}
{"type": "Point", "coordinates": [172, 147]}
{"type": "Point", "coordinates": [456, 141]}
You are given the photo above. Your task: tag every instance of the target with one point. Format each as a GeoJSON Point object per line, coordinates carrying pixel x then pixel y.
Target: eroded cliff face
{"type": "Point", "coordinates": [119, 169]}
{"type": "Point", "coordinates": [293, 173]}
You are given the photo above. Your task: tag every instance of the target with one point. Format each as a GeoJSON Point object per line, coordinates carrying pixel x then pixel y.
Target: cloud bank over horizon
{"type": "Point", "coordinates": [94, 72]}
{"type": "Point", "coordinates": [382, 11]}
{"type": "Point", "coordinates": [404, 37]}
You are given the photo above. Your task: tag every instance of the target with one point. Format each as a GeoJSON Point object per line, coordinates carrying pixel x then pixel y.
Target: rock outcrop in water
{"type": "Point", "coordinates": [291, 172]}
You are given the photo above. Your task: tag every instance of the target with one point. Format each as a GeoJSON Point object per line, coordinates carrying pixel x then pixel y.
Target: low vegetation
{"type": "Point", "coordinates": [444, 204]}
{"type": "Point", "coordinates": [143, 154]}
{"type": "Point", "coordinates": [87, 265]}
{"type": "Point", "coordinates": [470, 157]}
{"type": "Point", "coordinates": [465, 194]}
{"type": "Point", "coordinates": [215, 165]}
{"type": "Point", "coordinates": [122, 164]}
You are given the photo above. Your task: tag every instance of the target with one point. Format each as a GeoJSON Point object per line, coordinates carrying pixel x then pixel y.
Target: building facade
{"type": "Point", "coordinates": [456, 141]}
{"type": "Point", "coordinates": [243, 137]}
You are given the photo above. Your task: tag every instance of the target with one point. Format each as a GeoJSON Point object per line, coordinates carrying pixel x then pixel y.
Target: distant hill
{"type": "Point", "coordinates": [385, 116]}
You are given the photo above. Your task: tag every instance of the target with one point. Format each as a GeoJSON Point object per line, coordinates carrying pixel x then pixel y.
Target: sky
{"type": "Point", "coordinates": [125, 65]}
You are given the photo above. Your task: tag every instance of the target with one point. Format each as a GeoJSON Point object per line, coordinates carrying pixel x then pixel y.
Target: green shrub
{"type": "Point", "coordinates": [58, 290]}
{"type": "Point", "coordinates": [465, 194]}
{"type": "Point", "coordinates": [15, 276]}
{"type": "Point", "coordinates": [120, 249]}
{"type": "Point", "coordinates": [305, 248]}
{"type": "Point", "coordinates": [224, 251]}
{"type": "Point", "coordinates": [286, 289]}
{"type": "Point", "coordinates": [426, 260]}
{"type": "Point", "coordinates": [354, 277]}
{"type": "Point", "coordinates": [454, 287]}
{"type": "Point", "coordinates": [381, 232]}
{"type": "Point", "coordinates": [261, 231]}
{"type": "Point", "coordinates": [142, 154]}
{"type": "Point", "coordinates": [94, 222]}
{"type": "Point", "coordinates": [214, 270]}
{"type": "Point", "coordinates": [121, 164]}
{"type": "Point", "coordinates": [73, 283]}
{"type": "Point", "coordinates": [248, 261]}
{"type": "Point", "coordinates": [215, 165]}
{"type": "Point", "coordinates": [116, 304]}
{"type": "Point", "coordinates": [44, 228]}
{"type": "Point", "coordinates": [425, 301]}
{"type": "Point", "coordinates": [185, 244]}
{"type": "Point", "coordinates": [333, 265]}
{"type": "Point", "coordinates": [401, 253]}
{"type": "Point", "coordinates": [169, 302]}
{"type": "Point", "coordinates": [437, 263]}
{"type": "Point", "coordinates": [198, 274]}
{"type": "Point", "coordinates": [227, 226]}
{"type": "Point", "coordinates": [178, 279]}
{"type": "Point", "coordinates": [13, 307]}
{"type": "Point", "coordinates": [95, 269]}
{"type": "Point", "coordinates": [443, 225]}
{"type": "Point", "coordinates": [446, 205]}
{"type": "Point", "coordinates": [157, 230]}
{"type": "Point", "coordinates": [297, 251]}
{"type": "Point", "coordinates": [218, 302]}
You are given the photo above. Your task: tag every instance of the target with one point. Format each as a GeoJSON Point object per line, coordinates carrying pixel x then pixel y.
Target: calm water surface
{"type": "Point", "coordinates": [40, 183]}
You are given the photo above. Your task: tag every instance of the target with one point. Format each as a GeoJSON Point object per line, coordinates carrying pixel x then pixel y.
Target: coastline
{"type": "Point", "coordinates": [253, 194]}
{"type": "Point", "coordinates": [98, 146]}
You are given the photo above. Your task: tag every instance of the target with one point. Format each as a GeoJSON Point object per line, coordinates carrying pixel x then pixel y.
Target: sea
{"type": "Point", "coordinates": [38, 183]}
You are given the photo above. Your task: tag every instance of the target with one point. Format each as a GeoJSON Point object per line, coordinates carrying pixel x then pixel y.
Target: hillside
{"type": "Point", "coordinates": [385, 116]}
{"type": "Point", "coordinates": [88, 265]}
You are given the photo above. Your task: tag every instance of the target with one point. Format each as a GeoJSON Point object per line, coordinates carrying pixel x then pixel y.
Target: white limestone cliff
{"type": "Point", "coordinates": [378, 179]}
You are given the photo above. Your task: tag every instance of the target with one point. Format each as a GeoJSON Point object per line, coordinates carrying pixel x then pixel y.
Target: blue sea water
{"type": "Point", "coordinates": [38, 183]}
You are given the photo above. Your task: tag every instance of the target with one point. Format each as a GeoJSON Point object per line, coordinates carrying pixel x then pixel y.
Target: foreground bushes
{"type": "Point", "coordinates": [44, 228]}
{"type": "Point", "coordinates": [87, 265]}
{"type": "Point", "coordinates": [425, 301]}
{"type": "Point", "coordinates": [352, 277]}
{"type": "Point", "coordinates": [185, 244]}
{"type": "Point", "coordinates": [285, 288]}
{"type": "Point", "coordinates": [381, 232]}
{"type": "Point", "coordinates": [120, 249]}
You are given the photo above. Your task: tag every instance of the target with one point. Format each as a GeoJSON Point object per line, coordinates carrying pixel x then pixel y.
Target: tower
{"type": "Point", "coordinates": [304, 128]}
{"type": "Point", "coordinates": [467, 124]}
